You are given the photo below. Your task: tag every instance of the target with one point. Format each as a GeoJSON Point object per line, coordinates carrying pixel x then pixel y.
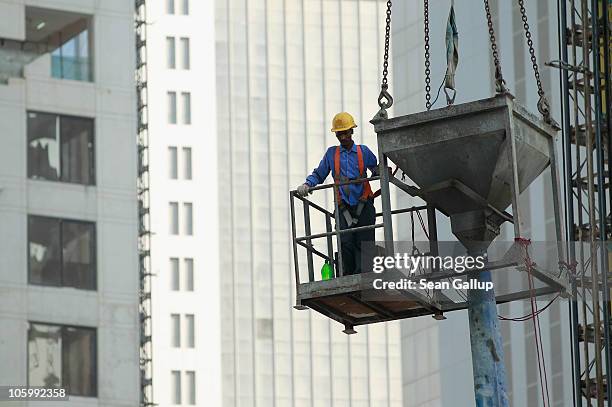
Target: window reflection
{"type": "Point", "coordinates": [191, 387]}
{"type": "Point", "coordinates": [45, 251]}
{"type": "Point", "coordinates": [176, 330]}
{"type": "Point", "coordinates": [174, 221]}
{"type": "Point", "coordinates": [78, 258]}
{"type": "Point", "coordinates": [173, 162]}
{"type": "Point", "coordinates": [174, 274]}
{"type": "Point", "coordinates": [176, 387]}
{"type": "Point", "coordinates": [60, 148]}
{"type": "Point", "coordinates": [186, 96]}
{"type": "Point", "coordinates": [43, 146]}
{"type": "Point", "coordinates": [188, 208]}
{"type": "Point", "coordinates": [76, 150]}
{"type": "Point", "coordinates": [79, 361]}
{"type": "Point", "coordinates": [189, 274]}
{"type": "Point", "coordinates": [66, 39]}
{"type": "Point", "coordinates": [187, 173]}
{"type": "Point", "coordinates": [71, 60]}
{"type": "Point", "coordinates": [172, 107]}
{"type": "Point", "coordinates": [61, 356]}
{"type": "Point", "coordinates": [190, 327]}
{"type": "Point", "coordinates": [171, 53]}
{"type": "Point", "coordinates": [44, 356]}
{"type": "Point", "coordinates": [61, 252]}
{"type": "Point", "coordinates": [186, 59]}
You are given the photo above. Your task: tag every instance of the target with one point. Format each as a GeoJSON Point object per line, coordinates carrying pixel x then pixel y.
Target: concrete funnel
{"type": "Point", "coordinates": [462, 159]}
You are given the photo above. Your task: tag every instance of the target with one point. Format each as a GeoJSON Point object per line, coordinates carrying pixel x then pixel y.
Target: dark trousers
{"type": "Point", "coordinates": [351, 243]}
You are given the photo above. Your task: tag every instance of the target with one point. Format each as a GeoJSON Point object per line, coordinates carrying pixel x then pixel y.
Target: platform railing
{"type": "Point", "coordinates": [306, 241]}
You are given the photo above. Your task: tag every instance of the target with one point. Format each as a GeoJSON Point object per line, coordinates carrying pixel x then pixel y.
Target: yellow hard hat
{"type": "Point", "coordinates": [343, 121]}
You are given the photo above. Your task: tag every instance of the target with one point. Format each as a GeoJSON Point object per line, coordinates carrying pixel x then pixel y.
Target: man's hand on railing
{"type": "Point", "coordinates": [303, 190]}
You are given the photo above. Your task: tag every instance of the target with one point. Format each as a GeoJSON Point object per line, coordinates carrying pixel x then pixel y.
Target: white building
{"type": "Point", "coordinates": [68, 221]}
{"type": "Point", "coordinates": [184, 199]}
{"type": "Point", "coordinates": [284, 69]}
{"type": "Point", "coordinates": [437, 365]}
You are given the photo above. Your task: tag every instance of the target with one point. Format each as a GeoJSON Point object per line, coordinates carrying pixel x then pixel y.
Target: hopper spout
{"type": "Point", "coordinates": [476, 229]}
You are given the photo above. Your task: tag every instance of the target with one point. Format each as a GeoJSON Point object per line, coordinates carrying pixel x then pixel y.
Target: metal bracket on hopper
{"type": "Point", "coordinates": [468, 192]}
{"type": "Point", "coordinates": [409, 189]}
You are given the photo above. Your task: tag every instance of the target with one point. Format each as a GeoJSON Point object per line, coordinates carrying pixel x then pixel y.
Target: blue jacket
{"type": "Point", "coordinates": [349, 168]}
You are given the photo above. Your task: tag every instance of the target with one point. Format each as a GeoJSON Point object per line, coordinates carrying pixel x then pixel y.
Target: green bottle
{"type": "Point", "coordinates": [326, 271]}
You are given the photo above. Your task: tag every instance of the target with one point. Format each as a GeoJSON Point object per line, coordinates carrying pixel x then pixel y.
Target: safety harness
{"type": "Point", "coordinates": [338, 178]}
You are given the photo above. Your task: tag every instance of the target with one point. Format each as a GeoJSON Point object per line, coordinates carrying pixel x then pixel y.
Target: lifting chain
{"type": "Point", "coordinates": [543, 106]}
{"type": "Point", "coordinates": [427, 55]}
{"type": "Point", "coordinates": [500, 83]}
{"type": "Point", "coordinates": [385, 100]}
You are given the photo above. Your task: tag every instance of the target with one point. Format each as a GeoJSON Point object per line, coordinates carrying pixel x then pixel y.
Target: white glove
{"type": "Point", "coordinates": [303, 190]}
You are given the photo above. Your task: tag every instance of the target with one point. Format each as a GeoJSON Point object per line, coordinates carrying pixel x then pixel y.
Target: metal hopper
{"type": "Point", "coordinates": [464, 159]}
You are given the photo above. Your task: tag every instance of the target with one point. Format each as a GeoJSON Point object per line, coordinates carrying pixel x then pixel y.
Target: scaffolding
{"type": "Point", "coordinates": [585, 48]}
{"type": "Point", "coordinates": [144, 219]}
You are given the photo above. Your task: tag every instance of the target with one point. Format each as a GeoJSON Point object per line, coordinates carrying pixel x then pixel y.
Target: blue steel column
{"type": "Point", "coordinates": [487, 347]}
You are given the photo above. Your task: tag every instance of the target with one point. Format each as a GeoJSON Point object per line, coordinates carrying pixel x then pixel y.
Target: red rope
{"type": "Point", "coordinates": [535, 317]}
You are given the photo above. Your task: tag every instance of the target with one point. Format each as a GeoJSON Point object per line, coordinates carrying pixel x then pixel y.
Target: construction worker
{"type": "Point", "coordinates": [356, 201]}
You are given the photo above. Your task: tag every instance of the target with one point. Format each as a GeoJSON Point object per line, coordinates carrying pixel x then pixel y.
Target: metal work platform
{"type": "Point", "coordinates": [350, 301]}
{"type": "Point", "coordinates": [353, 300]}
{"type": "Point", "coordinates": [470, 162]}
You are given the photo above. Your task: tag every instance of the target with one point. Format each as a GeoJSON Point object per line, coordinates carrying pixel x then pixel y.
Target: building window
{"type": "Point", "coordinates": [185, 8]}
{"type": "Point", "coordinates": [191, 387]}
{"type": "Point", "coordinates": [181, 278]}
{"type": "Point", "coordinates": [170, 6]}
{"type": "Point", "coordinates": [185, 106]}
{"type": "Point", "coordinates": [190, 328]}
{"type": "Point", "coordinates": [172, 107]}
{"type": "Point", "coordinates": [188, 215]}
{"type": "Point", "coordinates": [176, 386]}
{"type": "Point", "coordinates": [76, 151]}
{"type": "Point", "coordinates": [174, 218]}
{"type": "Point", "coordinates": [63, 356]}
{"type": "Point", "coordinates": [61, 252]}
{"type": "Point", "coordinates": [174, 274]}
{"type": "Point", "coordinates": [72, 57]}
{"type": "Point", "coordinates": [173, 162]}
{"type": "Point", "coordinates": [170, 53]}
{"type": "Point", "coordinates": [175, 321]}
{"type": "Point", "coordinates": [186, 96]}
{"type": "Point", "coordinates": [188, 263]}
{"type": "Point", "coordinates": [60, 148]}
{"type": "Point", "coordinates": [187, 174]}
{"type": "Point", "coordinates": [187, 218]}
{"type": "Point", "coordinates": [180, 337]}
{"type": "Point", "coordinates": [185, 54]}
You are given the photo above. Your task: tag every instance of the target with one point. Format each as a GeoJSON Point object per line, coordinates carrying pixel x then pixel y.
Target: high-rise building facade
{"type": "Point", "coordinates": [184, 212]}
{"type": "Point", "coordinates": [284, 69]}
{"type": "Point", "coordinates": [68, 213]}
{"type": "Point", "coordinates": [437, 365]}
